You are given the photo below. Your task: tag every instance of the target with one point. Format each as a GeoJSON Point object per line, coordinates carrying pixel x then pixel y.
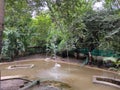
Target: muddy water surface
{"type": "Point", "coordinates": [79, 78]}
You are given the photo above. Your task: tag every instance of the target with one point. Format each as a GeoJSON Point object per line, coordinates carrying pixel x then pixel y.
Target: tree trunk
{"type": "Point", "coordinates": [1, 21]}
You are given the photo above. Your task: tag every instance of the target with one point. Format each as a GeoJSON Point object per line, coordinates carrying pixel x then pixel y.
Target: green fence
{"type": "Point", "coordinates": [105, 53]}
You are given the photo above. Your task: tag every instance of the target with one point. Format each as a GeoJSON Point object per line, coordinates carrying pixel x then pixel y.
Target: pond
{"type": "Point", "coordinates": [76, 76]}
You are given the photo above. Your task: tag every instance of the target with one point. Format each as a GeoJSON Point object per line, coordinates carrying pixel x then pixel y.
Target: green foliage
{"type": "Point", "coordinates": [67, 16]}
{"type": "Point", "coordinates": [17, 21]}
{"type": "Point", "coordinates": [40, 28]}
{"type": "Point", "coordinates": [103, 30]}
{"type": "Point", "coordinates": [66, 25]}
{"type": "Point", "coordinates": [112, 4]}
{"type": "Point", "coordinates": [12, 45]}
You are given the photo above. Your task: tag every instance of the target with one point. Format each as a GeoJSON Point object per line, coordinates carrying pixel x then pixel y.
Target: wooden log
{"type": "Point", "coordinates": [31, 84]}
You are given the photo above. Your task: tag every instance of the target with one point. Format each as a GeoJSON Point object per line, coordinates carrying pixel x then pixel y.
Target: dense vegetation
{"type": "Point", "coordinates": [66, 25]}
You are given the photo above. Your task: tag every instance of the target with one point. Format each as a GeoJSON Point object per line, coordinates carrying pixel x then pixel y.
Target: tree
{"type": "Point", "coordinates": [67, 16]}
{"type": "Point", "coordinates": [21, 28]}
{"type": "Point", "coordinates": [40, 27]}
{"type": "Point", "coordinates": [111, 4]}
{"type": "Point", "coordinates": [103, 30]}
{"type": "Point", "coordinates": [66, 20]}
{"type": "Point", "coordinates": [1, 21]}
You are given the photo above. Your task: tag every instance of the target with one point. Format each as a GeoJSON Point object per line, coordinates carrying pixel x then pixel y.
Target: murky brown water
{"type": "Point", "coordinates": [79, 78]}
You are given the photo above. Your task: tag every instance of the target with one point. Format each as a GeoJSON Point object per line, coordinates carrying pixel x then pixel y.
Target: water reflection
{"type": "Point", "coordinates": [55, 73]}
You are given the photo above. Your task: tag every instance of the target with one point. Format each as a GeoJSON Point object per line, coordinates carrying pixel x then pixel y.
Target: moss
{"type": "Point", "coordinates": [56, 84]}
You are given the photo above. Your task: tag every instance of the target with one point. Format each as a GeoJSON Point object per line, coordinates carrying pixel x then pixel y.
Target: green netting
{"type": "Point", "coordinates": [107, 53]}
{"type": "Point", "coordinates": [84, 50]}
{"type": "Point", "coordinates": [96, 52]}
